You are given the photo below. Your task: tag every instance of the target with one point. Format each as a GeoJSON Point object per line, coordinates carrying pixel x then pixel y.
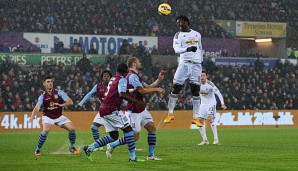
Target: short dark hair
{"type": "Point", "coordinates": [122, 68]}
{"type": "Point", "coordinates": [183, 17]}
{"type": "Point", "coordinates": [204, 71]}
{"type": "Point", "coordinates": [106, 72]}
{"type": "Point", "coordinates": [130, 61]}
{"type": "Point", "coordinates": [48, 77]}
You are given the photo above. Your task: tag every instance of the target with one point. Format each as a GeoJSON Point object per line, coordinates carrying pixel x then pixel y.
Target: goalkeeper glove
{"type": "Point", "coordinates": [191, 49]}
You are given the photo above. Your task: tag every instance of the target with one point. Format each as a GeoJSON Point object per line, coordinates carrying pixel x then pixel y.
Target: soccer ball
{"type": "Point", "coordinates": [164, 9]}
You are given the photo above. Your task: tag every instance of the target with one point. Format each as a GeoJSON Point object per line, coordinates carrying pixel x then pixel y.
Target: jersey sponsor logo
{"type": "Point", "coordinates": [191, 41]}
{"type": "Point", "coordinates": [122, 85]}
{"type": "Point", "coordinates": [56, 96]}
{"type": "Point", "coordinates": [135, 80]}
{"type": "Point", "coordinates": [51, 104]}
{"type": "Point", "coordinates": [204, 93]}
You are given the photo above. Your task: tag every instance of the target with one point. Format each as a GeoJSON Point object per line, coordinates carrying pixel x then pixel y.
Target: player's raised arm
{"type": "Point", "coordinates": [161, 76]}
{"type": "Point", "coordinates": [88, 96]}
{"type": "Point", "coordinates": [143, 89]}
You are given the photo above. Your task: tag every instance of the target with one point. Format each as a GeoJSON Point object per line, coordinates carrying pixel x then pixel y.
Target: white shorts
{"type": "Point", "coordinates": [188, 71]}
{"type": "Point", "coordinates": [115, 121]}
{"type": "Point", "coordinates": [98, 119]}
{"type": "Point", "coordinates": [59, 121]}
{"type": "Point", "coordinates": [137, 120]}
{"type": "Point", "coordinates": [206, 110]}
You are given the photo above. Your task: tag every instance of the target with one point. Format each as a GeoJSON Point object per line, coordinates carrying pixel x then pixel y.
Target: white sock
{"type": "Point", "coordinates": [202, 130]}
{"type": "Point", "coordinates": [172, 103]}
{"type": "Point", "coordinates": [196, 106]}
{"type": "Point", "coordinates": [214, 130]}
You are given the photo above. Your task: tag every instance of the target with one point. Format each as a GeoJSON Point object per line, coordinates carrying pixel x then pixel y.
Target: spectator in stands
{"type": "Point", "coordinates": [58, 46]}
{"type": "Point", "coordinates": [84, 64]}
{"type": "Point", "coordinates": [259, 66]}
{"type": "Point", "coordinates": [154, 50]}
{"type": "Point", "coordinates": [224, 53]}
{"type": "Point", "coordinates": [76, 47]}
{"type": "Point", "coordinates": [141, 49]}
{"type": "Point", "coordinates": [30, 49]}
{"type": "Point", "coordinates": [124, 48]}
{"type": "Point", "coordinates": [292, 55]}
{"type": "Point", "coordinates": [4, 48]}
{"type": "Point", "coordinates": [19, 49]}
{"type": "Point", "coordinates": [92, 50]}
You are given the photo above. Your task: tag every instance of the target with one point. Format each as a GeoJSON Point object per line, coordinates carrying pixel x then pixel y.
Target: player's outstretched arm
{"type": "Point", "coordinates": [35, 111]}
{"type": "Point", "coordinates": [148, 90]}
{"type": "Point", "coordinates": [161, 76]}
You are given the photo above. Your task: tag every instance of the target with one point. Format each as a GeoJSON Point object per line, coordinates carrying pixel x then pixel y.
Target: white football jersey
{"type": "Point", "coordinates": [183, 40]}
{"type": "Point", "coordinates": [207, 93]}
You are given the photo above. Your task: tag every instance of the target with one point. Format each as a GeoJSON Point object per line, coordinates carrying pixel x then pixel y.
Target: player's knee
{"type": "Point", "coordinates": [114, 135]}
{"type": "Point", "coordinates": [127, 129]}
{"type": "Point", "coordinates": [195, 89]}
{"type": "Point", "coordinates": [72, 129]}
{"type": "Point", "coordinates": [94, 127]}
{"type": "Point", "coordinates": [47, 131]}
{"type": "Point", "coordinates": [150, 127]}
{"type": "Point", "coordinates": [176, 88]}
{"type": "Point", "coordinates": [210, 119]}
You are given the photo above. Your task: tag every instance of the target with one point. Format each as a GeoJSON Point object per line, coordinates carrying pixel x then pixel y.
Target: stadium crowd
{"type": "Point", "coordinates": [244, 88]}
{"type": "Point", "coordinates": [134, 17]}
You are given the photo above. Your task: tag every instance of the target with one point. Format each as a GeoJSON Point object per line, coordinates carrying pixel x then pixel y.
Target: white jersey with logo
{"type": "Point", "coordinates": [207, 93]}
{"type": "Point", "coordinates": [183, 40]}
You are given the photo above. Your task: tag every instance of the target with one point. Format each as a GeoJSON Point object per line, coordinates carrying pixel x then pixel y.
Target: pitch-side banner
{"type": "Point", "coordinates": [39, 59]}
{"type": "Point", "coordinates": [19, 121]}
{"type": "Point", "coordinates": [105, 44]}
{"type": "Point", "coordinates": [260, 29]}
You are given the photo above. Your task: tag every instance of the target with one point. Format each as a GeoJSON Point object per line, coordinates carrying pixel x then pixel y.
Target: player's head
{"type": "Point", "coordinates": [203, 76]}
{"type": "Point", "coordinates": [182, 22]}
{"type": "Point", "coordinates": [122, 68]}
{"type": "Point", "coordinates": [105, 76]}
{"type": "Point", "coordinates": [134, 63]}
{"type": "Point", "coordinates": [48, 82]}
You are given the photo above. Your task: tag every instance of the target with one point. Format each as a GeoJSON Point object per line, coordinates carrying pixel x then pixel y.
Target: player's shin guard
{"type": "Point", "coordinates": [101, 142]}
{"type": "Point", "coordinates": [130, 141]}
{"type": "Point", "coordinates": [151, 143]}
{"type": "Point", "coordinates": [172, 103]}
{"type": "Point", "coordinates": [196, 106]}
{"type": "Point", "coordinates": [95, 132]}
{"type": "Point", "coordinates": [41, 140]}
{"type": "Point", "coordinates": [214, 129]}
{"type": "Point", "coordinates": [72, 138]}
{"type": "Point", "coordinates": [121, 141]}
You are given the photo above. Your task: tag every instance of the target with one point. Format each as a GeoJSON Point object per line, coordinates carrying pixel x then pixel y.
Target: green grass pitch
{"type": "Point", "coordinates": [240, 149]}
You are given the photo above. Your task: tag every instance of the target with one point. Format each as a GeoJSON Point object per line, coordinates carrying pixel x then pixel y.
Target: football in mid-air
{"type": "Point", "coordinates": [164, 9]}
